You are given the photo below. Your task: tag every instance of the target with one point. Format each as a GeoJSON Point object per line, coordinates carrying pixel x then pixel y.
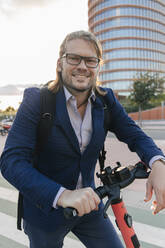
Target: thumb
{"type": "Point", "coordinates": [149, 192]}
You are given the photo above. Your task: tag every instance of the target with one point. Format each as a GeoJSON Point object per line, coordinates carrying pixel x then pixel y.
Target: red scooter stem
{"type": "Point", "coordinates": [124, 223]}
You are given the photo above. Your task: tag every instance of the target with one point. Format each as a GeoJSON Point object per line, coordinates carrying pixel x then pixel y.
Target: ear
{"type": "Point", "coordinates": [59, 65]}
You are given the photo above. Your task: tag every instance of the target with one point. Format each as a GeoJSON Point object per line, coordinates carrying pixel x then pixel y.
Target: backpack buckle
{"type": "Point", "coordinates": [47, 116]}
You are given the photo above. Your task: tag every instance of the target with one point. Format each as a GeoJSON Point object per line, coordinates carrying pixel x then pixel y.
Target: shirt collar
{"type": "Point", "coordinates": [68, 95]}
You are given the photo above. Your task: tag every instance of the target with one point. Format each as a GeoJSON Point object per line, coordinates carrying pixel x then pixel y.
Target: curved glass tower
{"type": "Point", "coordinates": [132, 34]}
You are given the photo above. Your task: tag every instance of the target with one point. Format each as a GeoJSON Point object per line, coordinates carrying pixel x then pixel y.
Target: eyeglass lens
{"type": "Point", "coordinates": [74, 59]}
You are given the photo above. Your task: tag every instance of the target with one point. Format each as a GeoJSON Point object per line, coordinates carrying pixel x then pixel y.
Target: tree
{"type": "Point", "coordinates": [10, 109]}
{"type": "Point", "coordinates": [145, 88]}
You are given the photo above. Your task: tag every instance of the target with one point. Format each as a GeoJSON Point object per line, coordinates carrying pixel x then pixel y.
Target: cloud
{"type": "Point", "coordinates": [10, 7]}
{"type": "Point", "coordinates": [31, 37]}
{"type": "Point", "coordinates": [31, 3]}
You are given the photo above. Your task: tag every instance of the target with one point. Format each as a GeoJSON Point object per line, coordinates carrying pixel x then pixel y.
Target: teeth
{"type": "Point", "coordinates": [77, 75]}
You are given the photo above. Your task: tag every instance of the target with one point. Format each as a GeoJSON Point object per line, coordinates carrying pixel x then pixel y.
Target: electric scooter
{"type": "Point", "coordinates": [113, 181]}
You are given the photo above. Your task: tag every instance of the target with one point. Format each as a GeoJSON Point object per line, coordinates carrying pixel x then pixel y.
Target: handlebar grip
{"type": "Point", "coordinates": [70, 213]}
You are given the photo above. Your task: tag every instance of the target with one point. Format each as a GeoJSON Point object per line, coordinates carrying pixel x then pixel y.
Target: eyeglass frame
{"type": "Point", "coordinates": [82, 58]}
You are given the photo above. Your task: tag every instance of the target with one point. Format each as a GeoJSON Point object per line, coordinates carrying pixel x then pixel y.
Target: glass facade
{"type": "Point", "coordinates": [132, 34]}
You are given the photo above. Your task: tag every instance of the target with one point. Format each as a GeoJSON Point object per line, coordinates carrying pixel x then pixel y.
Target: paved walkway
{"type": "Point", "coordinates": [149, 229]}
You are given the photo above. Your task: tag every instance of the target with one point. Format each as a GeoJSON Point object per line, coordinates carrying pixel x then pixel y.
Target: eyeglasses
{"type": "Point", "coordinates": [74, 59]}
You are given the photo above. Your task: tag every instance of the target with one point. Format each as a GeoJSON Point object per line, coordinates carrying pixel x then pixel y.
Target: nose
{"type": "Point", "coordinates": [82, 64]}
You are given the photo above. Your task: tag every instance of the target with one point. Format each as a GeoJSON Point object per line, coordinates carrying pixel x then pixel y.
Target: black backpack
{"type": "Point", "coordinates": [48, 106]}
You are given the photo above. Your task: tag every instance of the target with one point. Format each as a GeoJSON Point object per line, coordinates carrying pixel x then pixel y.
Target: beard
{"type": "Point", "coordinates": [72, 87]}
{"type": "Point", "coordinates": [72, 84]}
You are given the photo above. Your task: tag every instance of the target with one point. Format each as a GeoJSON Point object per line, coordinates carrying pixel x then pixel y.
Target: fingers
{"type": "Point", "coordinates": [84, 200]}
{"type": "Point", "coordinates": [153, 207]}
{"type": "Point", "coordinates": [156, 207]}
{"type": "Point", "coordinates": [149, 191]}
{"type": "Point", "coordinates": [88, 200]}
{"type": "Point", "coordinates": [159, 203]}
{"type": "Point", "coordinates": [156, 184]}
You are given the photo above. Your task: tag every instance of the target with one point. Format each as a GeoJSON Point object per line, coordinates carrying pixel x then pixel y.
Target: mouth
{"type": "Point", "coordinates": [80, 75]}
{"type": "Point", "coordinates": [80, 78]}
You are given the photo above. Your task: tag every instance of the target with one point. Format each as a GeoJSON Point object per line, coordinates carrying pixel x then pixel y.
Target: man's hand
{"type": "Point", "coordinates": [156, 183]}
{"type": "Point", "coordinates": [84, 200]}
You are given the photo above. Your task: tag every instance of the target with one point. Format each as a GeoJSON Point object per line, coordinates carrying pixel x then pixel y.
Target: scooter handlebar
{"type": "Point", "coordinates": [113, 181]}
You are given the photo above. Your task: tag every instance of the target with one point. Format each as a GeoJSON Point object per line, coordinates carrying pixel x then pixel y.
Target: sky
{"type": "Point", "coordinates": [31, 34]}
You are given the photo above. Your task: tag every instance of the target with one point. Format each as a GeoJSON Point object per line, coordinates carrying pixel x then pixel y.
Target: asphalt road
{"type": "Point", "coordinates": [154, 133]}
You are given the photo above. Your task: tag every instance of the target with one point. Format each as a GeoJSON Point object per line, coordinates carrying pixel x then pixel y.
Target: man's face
{"type": "Point", "coordinates": [78, 78]}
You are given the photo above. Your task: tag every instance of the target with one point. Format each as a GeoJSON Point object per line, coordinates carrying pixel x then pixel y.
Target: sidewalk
{"type": "Point", "coordinates": [118, 151]}
{"type": "Point", "coordinates": [150, 234]}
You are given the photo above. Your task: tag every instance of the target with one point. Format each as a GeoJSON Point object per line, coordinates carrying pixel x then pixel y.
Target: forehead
{"type": "Point", "coordinates": [81, 47]}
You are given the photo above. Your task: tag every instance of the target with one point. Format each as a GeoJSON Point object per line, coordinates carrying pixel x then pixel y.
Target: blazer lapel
{"type": "Point", "coordinates": [98, 134]}
{"type": "Point", "coordinates": [62, 120]}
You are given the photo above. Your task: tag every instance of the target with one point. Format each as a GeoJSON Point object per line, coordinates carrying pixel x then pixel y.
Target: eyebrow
{"type": "Point", "coordinates": [80, 55]}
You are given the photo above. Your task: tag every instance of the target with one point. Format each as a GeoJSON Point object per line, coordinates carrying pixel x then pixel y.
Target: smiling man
{"type": "Point", "coordinates": [65, 168]}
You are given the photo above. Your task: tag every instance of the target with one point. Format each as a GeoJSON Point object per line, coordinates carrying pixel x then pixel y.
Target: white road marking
{"type": "Point", "coordinates": [8, 230]}
{"type": "Point", "coordinates": [146, 233]}
{"type": "Point", "coordinates": [8, 194]}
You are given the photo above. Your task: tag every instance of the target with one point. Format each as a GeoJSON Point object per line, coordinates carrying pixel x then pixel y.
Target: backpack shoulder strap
{"type": "Point", "coordinates": [107, 120]}
{"type": "Point", "coordinates": [47, 114]}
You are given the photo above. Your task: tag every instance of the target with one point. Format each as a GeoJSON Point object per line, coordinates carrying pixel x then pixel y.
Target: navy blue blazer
{"type": "Point", "coordinates": [61, 160]}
